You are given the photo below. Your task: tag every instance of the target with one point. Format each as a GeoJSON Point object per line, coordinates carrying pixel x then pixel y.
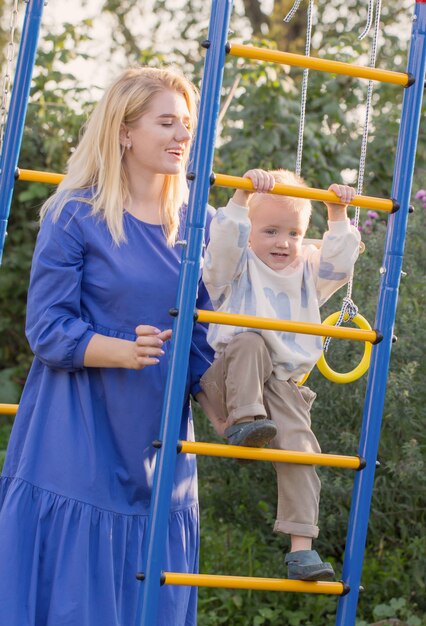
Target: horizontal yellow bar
{"type": "Point", "coordinates": [365, 202]}
{"type": "Point", "coordinates": [267, 454]}
{"type": "Point", "coordinates": [266, 323]}
{"type": "Point", "coordinates": [40, 177]}
{"type": "Point", "coordinates": [250, 582]}
{"type": "Point", "coordinates": [223, 180]}
{"type": "Point", "coordinates": [323, 65]}
{"type": "Point", "coordinates": [8, 409]}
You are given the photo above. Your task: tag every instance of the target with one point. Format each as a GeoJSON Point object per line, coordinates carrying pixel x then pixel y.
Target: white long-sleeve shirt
{"type": "Point", "coordinates": [239, 282]}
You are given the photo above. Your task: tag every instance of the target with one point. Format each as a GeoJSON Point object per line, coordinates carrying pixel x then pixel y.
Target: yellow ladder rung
{"type": "Point", "coordinates": [365, 202]}
{"type": "Point", "coordinates": [323, 65]}
{"type": "Point", "coordinates": [250, 582]}
{"type": "Point", "coordinates": [266, 323]}
{"type": "Point", "coordinates": [269, 454]}
{"type": "Point", "coordinates": [223, 180]}
{"type": "Point", "coordinates": [39, 177]}
{"type": "Point", "coordinates": [8, 409]}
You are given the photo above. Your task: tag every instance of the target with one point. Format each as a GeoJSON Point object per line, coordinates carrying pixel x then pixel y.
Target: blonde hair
{"type": "Point", "coordinates": [97, 161]}
{"type": "Point", "coordinates": [286, 177]}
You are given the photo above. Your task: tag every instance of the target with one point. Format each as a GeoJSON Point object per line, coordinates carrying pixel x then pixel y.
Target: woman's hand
{"type": "Point", "coordinates": [103, 351]}
{"type": "Point", "coordinates": [147, 349]}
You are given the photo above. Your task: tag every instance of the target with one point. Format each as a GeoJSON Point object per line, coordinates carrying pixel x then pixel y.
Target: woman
{"type": "Point", "coordinates": [77, 480]}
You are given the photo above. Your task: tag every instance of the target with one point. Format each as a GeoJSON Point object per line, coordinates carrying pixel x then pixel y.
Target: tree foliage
{"type": "Point", "coordinates": [250, 18]}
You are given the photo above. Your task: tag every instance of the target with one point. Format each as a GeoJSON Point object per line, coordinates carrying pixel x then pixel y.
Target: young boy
{"type": "Point", "coordinates": [256, 264]}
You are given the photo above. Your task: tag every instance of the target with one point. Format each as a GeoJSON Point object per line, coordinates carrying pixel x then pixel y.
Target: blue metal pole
{"type": "Point", "coordinates": [388, 296]}
{"type": "Point", "coordinates": [17, 111]}
{"type": "Point", "coordinates": [182, 331]}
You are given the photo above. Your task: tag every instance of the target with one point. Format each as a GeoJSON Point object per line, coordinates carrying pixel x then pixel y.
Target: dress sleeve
{"type": "Point", "coordinates": [333, 264]}
{"type": "Point", "coordinates": [201, 354]}
{"type": "Point", "coordinates": [55, 330]}
{"type": "Point", "coordinates": [227, 250]}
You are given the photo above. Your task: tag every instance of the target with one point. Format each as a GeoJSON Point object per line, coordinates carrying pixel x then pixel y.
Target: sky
{"type": "Point", "coordinates": [57, 12]}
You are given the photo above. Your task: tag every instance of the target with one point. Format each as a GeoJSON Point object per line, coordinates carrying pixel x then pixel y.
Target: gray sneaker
{"type": "Point", "coordinates": [307, 565]}
{"type": "Point", "coordinates": [254, 434]}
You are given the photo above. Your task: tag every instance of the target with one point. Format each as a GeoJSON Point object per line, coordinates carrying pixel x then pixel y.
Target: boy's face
{"type": "Point", "coordinates": [277, 231]}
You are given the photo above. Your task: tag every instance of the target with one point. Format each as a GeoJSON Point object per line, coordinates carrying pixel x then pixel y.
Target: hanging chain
{"type": "Point", "coordinates": [292, 11]}
{"type": "Point", "coordinates": [6, 81]}
{"type": "Point", "coordinates": [349, 310]}
{"type": "Point", "coordinates": [304, 90]}
{"type": "Point", "coordinates": [369, 20]}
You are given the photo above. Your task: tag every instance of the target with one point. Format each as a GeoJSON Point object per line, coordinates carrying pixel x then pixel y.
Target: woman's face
{"type": "Point", "coordinates": [161, 137]}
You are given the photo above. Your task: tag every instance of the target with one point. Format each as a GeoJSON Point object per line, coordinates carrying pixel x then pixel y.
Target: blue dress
{"type": "Point", "coordinates": [76, 485]}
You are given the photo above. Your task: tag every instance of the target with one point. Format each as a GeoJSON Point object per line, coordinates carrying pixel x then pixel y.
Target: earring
{"type": "Point", "coordinates": [129, 145]}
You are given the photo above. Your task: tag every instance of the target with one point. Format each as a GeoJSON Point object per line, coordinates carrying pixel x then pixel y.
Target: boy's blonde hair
{"type": "Point", "coordinates": [97, 161]}
{"type": "Point", "coordinates": [286, 177]}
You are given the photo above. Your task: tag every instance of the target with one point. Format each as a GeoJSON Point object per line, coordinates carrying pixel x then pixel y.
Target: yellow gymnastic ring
{"type": "Point", "coordinates": [364, 364]}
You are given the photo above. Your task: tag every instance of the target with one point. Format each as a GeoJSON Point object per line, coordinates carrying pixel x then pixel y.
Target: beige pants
{"type": "Point", "coordinates": [241, 384]}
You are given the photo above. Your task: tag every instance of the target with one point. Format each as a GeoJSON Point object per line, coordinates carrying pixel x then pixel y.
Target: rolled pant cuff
{"type": "Point", "coordinates": [293, 528]}
{"type": "Point", "coordinates": [250, 410]}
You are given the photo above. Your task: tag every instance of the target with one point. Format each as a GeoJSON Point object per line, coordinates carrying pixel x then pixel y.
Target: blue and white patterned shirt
{"type": "Point", "coordinates": [239, 282]}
